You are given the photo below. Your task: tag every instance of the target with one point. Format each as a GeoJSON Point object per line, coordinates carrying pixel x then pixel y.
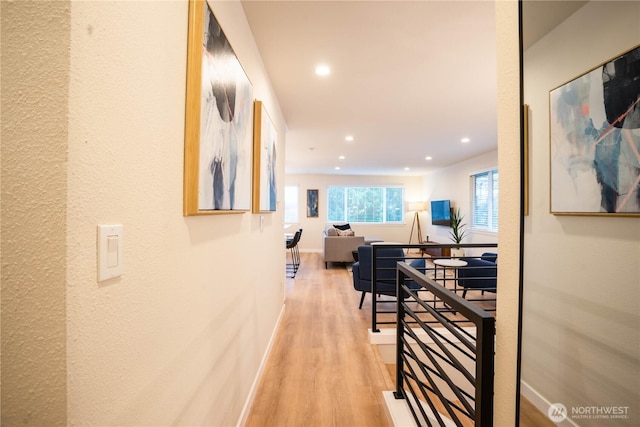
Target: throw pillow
{"type": "Point", "coordinates": [346, 233]}
{"type": "Point", "coordinates": [332, 232]}
{"type": "Point", "coordinates": [343, 226]}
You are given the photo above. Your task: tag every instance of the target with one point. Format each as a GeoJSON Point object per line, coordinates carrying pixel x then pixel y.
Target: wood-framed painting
{"type": "Point", "coordinates": [525, 159]}
{"type": "Point", "coordinates": [265, 139]}
{"type": "Point", "coordinates": [595, 140]}
{"type": "Point", "coordinates": [219, 121]}
{"type": "Point", "coordinates": [312, 203]}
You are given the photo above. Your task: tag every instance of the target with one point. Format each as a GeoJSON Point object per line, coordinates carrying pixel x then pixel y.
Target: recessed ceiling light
{"type": "Point", "coordinates": [341, 157]}
{"type": "Point", "coordinates": [465, 140]}
{"type": "Point", "coordinates": [348, 138]}
{"type": "Point", "coordinates": [337, 168]}
{"type": "Point", "coordinates": [428, 158]}
{"type": "Point", "coordinates": [323, 70]}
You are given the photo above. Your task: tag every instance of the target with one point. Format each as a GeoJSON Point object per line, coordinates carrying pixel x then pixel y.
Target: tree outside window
{"type": "Point", "coordinates": [365, 204]}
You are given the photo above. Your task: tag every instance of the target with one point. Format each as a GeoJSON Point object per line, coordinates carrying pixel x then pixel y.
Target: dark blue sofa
{"type": "Point", "coordinates": [386, 274]}
{"type": "Point", "coordinates": [480, 273]}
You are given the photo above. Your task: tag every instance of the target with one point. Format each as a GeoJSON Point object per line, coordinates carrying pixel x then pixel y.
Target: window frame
{"type": "Point", "coordinates": [384, 207]}
{"type": "Point", "coordinates": [288, 207]}
{"type": "Point", "coordinates": [492, 201]}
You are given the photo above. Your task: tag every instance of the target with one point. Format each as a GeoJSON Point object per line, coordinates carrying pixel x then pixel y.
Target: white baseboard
{"type": "Point", "coordinates": [397, 411]}
{"type": "Point", "coordinates": [388, 335]}
{"type": "Point", "coordinates": [540, 402]}
{"type": "Point", "coordinates": [399, 414]}
{"type": "Point", "coordinates": [256, 381]}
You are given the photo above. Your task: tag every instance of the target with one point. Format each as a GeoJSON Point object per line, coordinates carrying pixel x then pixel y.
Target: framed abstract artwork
{"type": "Point", "coordinates": [595, 140]}
{"type": "Point", "coordinates": [219, 121]}
{"type": "Point", "coordinates": [265, 139]}
{"type": "Point", "coordinates": [312, 203]}
{"type": "Point", "coordinates": [525, 159]}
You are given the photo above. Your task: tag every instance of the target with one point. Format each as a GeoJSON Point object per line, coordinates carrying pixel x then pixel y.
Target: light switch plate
{"type": "Point", "coordinates": [110, 257]}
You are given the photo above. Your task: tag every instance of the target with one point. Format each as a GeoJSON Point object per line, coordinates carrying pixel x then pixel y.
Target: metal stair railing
{"type": "Point", "coordinates": [376, 304]}
{"type": "Point", "coordinates": [444, 369]}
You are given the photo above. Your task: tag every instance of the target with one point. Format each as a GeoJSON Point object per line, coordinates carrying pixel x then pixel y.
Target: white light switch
{"type": "Point", "coordinates": [109, 252]}
{"type": "Point", "coordinates": [112, 251]}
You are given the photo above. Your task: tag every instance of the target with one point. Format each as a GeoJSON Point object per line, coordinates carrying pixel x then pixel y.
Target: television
{"type": "Point", "coordinates": [441, 212]}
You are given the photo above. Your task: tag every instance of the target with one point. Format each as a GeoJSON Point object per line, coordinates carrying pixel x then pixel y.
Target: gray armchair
{"type": "Point", "coordinates": [336, 248]}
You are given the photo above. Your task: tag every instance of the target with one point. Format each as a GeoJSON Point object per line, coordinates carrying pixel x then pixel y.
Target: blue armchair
{"type": "Point", "coordinates": [480, 273]}
{"type": "Point", "coordinates": [386, 274]}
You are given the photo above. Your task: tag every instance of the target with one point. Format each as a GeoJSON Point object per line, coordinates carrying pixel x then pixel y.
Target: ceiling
{"type": "Point", "coordinates": [409, 79]}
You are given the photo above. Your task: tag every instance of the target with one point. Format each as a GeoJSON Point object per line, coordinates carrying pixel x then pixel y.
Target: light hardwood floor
{"type": "Point", "coordinates": [322, 370]}
{"type": "Point", "coordinates": [530, 416]}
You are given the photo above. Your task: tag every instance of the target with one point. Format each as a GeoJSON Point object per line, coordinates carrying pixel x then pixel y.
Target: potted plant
{"type": "Point", "coordinates": [457, 232]}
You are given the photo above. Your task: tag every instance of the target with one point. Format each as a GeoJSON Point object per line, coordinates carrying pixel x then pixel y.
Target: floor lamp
{"type": "Point", "coordinates": [416, 207]}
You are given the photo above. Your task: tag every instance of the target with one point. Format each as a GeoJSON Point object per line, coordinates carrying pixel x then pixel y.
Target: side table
{"type": "Point", "coordinates": [448, 263]}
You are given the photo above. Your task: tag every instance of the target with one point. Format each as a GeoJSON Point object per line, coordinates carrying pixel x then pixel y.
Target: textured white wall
{"type": "Point", "coordinates": [35, 79]}
{"type": "Point", "coordinates": [581, 299]}
{"type": "Point", "coordinates": [93, 130]}
{"type": "Point", "coordinates": [178, 339]}
{"type": "Point", "coordinates": [313, 227]}
{"type": "Point", "coordinates": [509, 210]}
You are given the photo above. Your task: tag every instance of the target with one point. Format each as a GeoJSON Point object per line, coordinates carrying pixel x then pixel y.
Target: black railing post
{"type": "Point", "coordinates": [485, 356]}
{"type": "Point", "coordinates": [399, 393]}
{"type": "Point", "coordinates": [374, 289]}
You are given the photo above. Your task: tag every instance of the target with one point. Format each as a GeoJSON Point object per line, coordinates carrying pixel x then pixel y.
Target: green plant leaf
{"type": "Point", "coordinates": [457, 232]}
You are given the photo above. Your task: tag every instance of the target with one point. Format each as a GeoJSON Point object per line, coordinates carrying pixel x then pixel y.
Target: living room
{"type": "Point", "coordinates": [451, 183]}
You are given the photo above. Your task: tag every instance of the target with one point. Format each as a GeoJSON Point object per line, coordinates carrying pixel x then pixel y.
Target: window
{"type": "Point", "coordinates": [290, 204]}
{"type": "Point", "coordinates": [485, 200]}
{"type": "Point", "coordinates": [366, 204]}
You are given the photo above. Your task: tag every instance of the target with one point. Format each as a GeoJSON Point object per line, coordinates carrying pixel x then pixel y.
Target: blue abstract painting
{"type": "Point", "coordinates": [226, 124]}
{"type": "Point", "coordinates": [595, 140]}
{"type": "Point", "coordinates": [265, 166]}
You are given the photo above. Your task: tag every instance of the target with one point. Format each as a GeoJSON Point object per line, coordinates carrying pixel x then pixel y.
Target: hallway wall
{"type": "Point", "coordinates": [581, 274]}
{"type": "Point", "coordinates": [509, 228]}
{"type": "Point", "coordinates": [179, 338]}
{"type": "Point", "coordinates": [35, 87]}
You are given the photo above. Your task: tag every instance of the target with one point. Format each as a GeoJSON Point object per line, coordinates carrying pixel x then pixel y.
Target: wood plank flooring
{"type": "Point", "coordinates": [530, 416]}
{"type": "Point", "coordinates": [322, 371]}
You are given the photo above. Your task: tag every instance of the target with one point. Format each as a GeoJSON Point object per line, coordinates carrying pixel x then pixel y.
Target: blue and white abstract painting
{"type": "Point", "coordinates": [595, 140]}
{"type": "Point", "coordinates": [226, 123]}
{"type": "Point", "coordinates": [265, 157]}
